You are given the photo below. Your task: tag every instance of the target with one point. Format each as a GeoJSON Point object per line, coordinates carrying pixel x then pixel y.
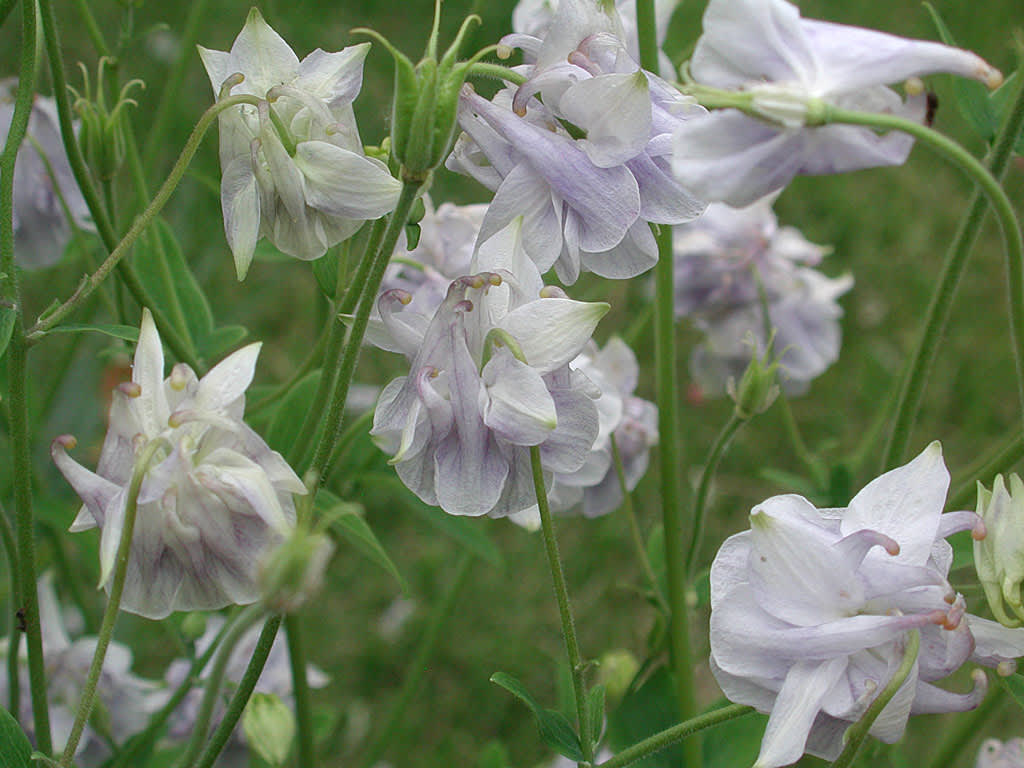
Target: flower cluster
{"type": "Point", "coordinates": [731, 266]}
{"type": "Point", "coordinates": [810, 607]}
{"type": "Point", "coordinates": [214, 500]}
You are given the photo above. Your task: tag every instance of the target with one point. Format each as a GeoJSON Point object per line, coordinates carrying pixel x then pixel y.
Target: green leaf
{"type": "Point", "coordinates": [125, 332]}
{"type": "Point", "coordinates": [555, 729]}
{"type": "Point", "coordinates": [290, 413]}
{"type": "Point", "coordinates": [217, 343]}
{"type": "Point", "coordinates": [1015, 685]}
{"type": "Point", "coordinates": [269, 727]}
{"type": "Point", "coordinates": [7, 317]}
{"type": "Point", "coordinates": [647, 708]}
{"type": "Point", "coordinates": [15, 749]}
{"type": "Point", "coordinates": [595, 712]}
{"type": "Point", "coordinates": [345, 518]}
{"type": "Point", "coordinates": [325, 270]}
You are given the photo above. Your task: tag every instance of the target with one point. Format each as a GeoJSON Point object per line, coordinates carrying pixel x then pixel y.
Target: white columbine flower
{"type": "Point", "coordinates": [293, 167]}
{"type": "Point", "coordinates": [810, 609]}
{"type": "Point", "coordinates": [214, 501]}
{"type": "Point", "coordinates": [999, 557]}
{"type": "Point", "coordinates": [764, 47]}
{"type": "Point", "coordinates": [719, 259]}
{"type": "Point", "coordinates": [46, 195]}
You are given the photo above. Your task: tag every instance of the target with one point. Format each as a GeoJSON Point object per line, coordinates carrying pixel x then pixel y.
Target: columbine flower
{"type": "Point", "coordinates": [719, 259]}
{"type": "Point", "coordinates": [215, 500]}
{"type": "Point", "coordinates": [127, 700]}
{"type": "Point", "coordinates": [490, 377]}
{"type": "Point", "coordinates": [47, 200]}
{"type": "Point", "coordinates": [765, 48]}
{"type": "Point", "coordinates": [810, 608]}
{"type": "Point", "coordinates": [997, 754]}
{"type": "Point", "coordinates": [999, 557]}
{"type": "Point", "coordinates": [293, 167]}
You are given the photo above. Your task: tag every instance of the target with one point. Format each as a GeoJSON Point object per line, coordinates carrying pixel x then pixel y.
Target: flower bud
{"type": "Point", "coordinates": [193, 625]}
{"type": "Point", "coordinates": [757, 389]}
{"type": "Point", "coordinates": [616, 672]}
{"type": "Point", "coordinates": [269, 727]}
{"type": "Point", "coordinates": [999, 556]}
{"type": "Point", "coordinates": [294, 572]}
{"type": "Point", "coordinates": [102, 137]}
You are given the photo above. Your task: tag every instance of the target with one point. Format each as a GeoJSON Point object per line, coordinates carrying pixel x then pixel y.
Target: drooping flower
{"type": "Point", "coordinates": [719, 261]}
{"type": "Point", "coordinates": [763, 47]}
{"type": "Point", "coordinates": [293, 167]}
{"type": "Point", "coordinates": [490, 377]}
{"type": "Point", "coordinates": [999, 557]}
{"type": "Point", "coordinates": [127, 699]}
{"type": "Point", "coordinates": [214, 500]}
{"type": "Point", "coordinates": [47, 200]}
{"type": "Point", "coordinates": [810, 609]}
{"type": "Point", "coordinates": [998, 754]}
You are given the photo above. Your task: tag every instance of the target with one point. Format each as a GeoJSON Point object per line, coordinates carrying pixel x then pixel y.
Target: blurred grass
{"type": "Point", "coordinates": [889, 228]}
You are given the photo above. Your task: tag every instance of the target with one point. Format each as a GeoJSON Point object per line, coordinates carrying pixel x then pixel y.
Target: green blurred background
{"type": "Point", "coordinates": [889, 228]}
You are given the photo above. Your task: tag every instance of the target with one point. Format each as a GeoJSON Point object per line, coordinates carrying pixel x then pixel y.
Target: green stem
{"type": "Point", "coordinates": [812, 462]}
{"type": "Point", "coordinates": [985, 470]}
{"type": "Point", "coordinates": [92, 28]}
{"type": "Point", "coordinates": [124, 546]}
{"type": "Point", "coordinates": [572, 647]}
{"type": "Point", "coordinates": [245, 688]}
{"type": "Point", "coordinates": [634, 528]}
{"type": "Point", "coordinates": [300, 691]}
{"type": "Point", "coordinates": [700, 503]}
{"type": "Point", "coordinates": [670, 736]}
{"type": "Point", "coordinates": [14, 633]}
{"type": "Point", "coordinates": [17, 384]}
{"type": "Point", "coordinates": [418, 666]}
{"type": "Point", "coordinates": [857, 732]}
{"type": "Point", "coordinates": [250, 616]}
{"type": "Point", "coordinates": [964, 728]}
{"type": "Point", "coordinates": [496, 72]}
{"type": "Point", "coordinates": [6, 6]}
{"type": "Point", "coordinates": [367, 297]}
{"type": "Point", "coordinates": [360, 426]}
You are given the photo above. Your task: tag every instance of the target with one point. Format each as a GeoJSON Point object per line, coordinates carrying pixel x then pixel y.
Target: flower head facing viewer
{"type": "Point", "coordinates": [810, 609]}
{"type": "Point", "coordinates": [293, 167]}
{"type": "Point", "coordinates": [214, 500]}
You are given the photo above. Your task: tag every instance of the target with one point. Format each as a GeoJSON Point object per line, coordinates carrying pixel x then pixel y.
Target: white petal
{"type": "Point", "coordinates": [516, 403]}
{"type": "Point", "coordinates": [551, 332]}
{"type": "Point", "coordinates": [262, 55]}
{"type": "Point", "coordinates": [333, 77]}
{"type": "Point", "coordinates": [615, 112]}
{"type": "Point", "coordinates": [342, 183]}
{"type": "Point", "coordinates": [240, 204]}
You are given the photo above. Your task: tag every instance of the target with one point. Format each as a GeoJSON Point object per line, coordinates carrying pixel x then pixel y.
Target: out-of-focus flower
{"type": "Point", "coordinates": [810, 609]}
{"type": "Point", "coordinates": [490, 377]}
{"type": "Point", "coordinates": [126, 701]}
{"type": "Point", "coordinates": [998, 754]}
{"type": "Point", "coordinates": [719, 260]}
{"type": "Point", "coordinates": [47, 201]}
{"type": "Point", "coordinates": [214, 500]}
{"type": "Point", "coordinates": [293, 573]}
{"type": "Point", "coordinates": [787, 63]}
{"type": "Point", "coordinates": [999, 557]}
{"type": "Point", "coordinates": [293, 168]}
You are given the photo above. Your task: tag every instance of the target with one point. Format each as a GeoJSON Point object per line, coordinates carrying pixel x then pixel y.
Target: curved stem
{"type": "Point", "coordinates": [670, 736]}
{"type": "Point", "coordinates": [242, 694]}
{"type": "Point", "coordinates": [718, 449]}
{"type": "Point", "coordinates": [300, 691]}
{"type": "Point", "coordinates": [497, 72]}
{"type": "Point", "coordinates": [999, 460]}
{"type": "Point", "coordinates": [572, 647]}
{"type": "Point", "coordinates": [124, 546]}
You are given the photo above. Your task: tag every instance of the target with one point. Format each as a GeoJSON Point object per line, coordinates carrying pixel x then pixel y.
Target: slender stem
{"type": "Point", "coordinates": [999, 460]}
{"type": "Point", "coordinates": [249, 616]}
{"type": "Point", "coordinates": [17, 384]}
{"type": "Point", "coordinates": [92, 28]}
{"type": "Point", "coordinates": [965, 727]}
{"type": "Point", "coordinates": [242, 694]}
{"type": "Point", "coordinates": [14, 632]}
{"type": "Point", "coordinates": [718, 449]}
{"type": "Point", "coordinates": [300, 691]}
{"type": "Point", "coordinates": [350, 355]}
{"type": "Point", "coordinates": [497, 72]}
{"type": "Point", "coordinates": [124, 546]}
{"type": "Point", "coordinates": [812, 462]}
{"type": "Point", "coordinates": [360, 426]}
{"type": "Point", "coordinates": [634, 529]}
{"type": "Point", "coordinates": [418, 666]}
{"type": "Point", "coordinates": [572, 647]}
{"type": "Point", "coordinates": [6, 6]}
{"type": "Point", "coordinates": [670, 736]}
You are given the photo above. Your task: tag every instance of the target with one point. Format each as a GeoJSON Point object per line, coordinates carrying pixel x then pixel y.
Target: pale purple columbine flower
{"type": "Point", "coordinates": [998, 754]}
{"type": "Point", "coordinates": [214, 500]}
{"type": "Point", "coordinates": [763, 47]}
{"type": "Point", "coordinates": [490, 377]}
{"type": "Point", "coordinates": [127, 699]}
{"type": "Point", "coordinates": [47, 200]}
{"type": "Point", "coordinates": [293, 168]}
{"type": "Point", "coordinates": [810, 609]}
{"type": "Point", "coordinates": [719, 260]}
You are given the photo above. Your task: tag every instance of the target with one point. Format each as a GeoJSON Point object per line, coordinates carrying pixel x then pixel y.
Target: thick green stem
{"type": "Point", "coordinates": [14, 632]}
{"type": "Point", "coordinates": [417, 668]}
{"type": "Point", "coordinates": [572, 647]}
{"type": "Point", "coordinates": [700, 503]}
{"type": "Point", "coordinates": [300, 691]}
{"type": "Point", "coordinates": [670, 736]}
{"type": "Point", "coordinates": [120, 572]}
{"type": "Point", "coordinates": [245, 688]}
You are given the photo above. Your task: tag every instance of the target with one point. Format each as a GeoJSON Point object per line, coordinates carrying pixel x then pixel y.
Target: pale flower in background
{"type": "Point", "coordinates": [999, 557]}
{"type": "Point", "coordinates": [765, 48]}
{"type": "Point", "coordinates": [215, 499]}
{"type": "Point", "coordinates": [998, 754]}
{"type": "Point", "coordinates": [293, 168]}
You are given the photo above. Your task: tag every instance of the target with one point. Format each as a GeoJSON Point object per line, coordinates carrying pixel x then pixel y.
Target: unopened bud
{"type": "Point", "coordinates": [757, 389]}
{"type": "Point", "coordinates": [999, 556]}
{"type": "Point", "coordinates": [294, 572]}
{"type": "Point", "coordinates": [616, 671]}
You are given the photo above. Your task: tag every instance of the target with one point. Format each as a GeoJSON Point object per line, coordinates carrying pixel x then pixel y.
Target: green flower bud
{"type": "Point", "coordinates": [999, 556]}
{"type": "Point", "coordinates": [616, 671]}
{"type": "Point", "coordinates": [193, 625]}
{"type": "Point", "coordinates": [294, 572]}
{"type": "Point", "coordinates": [102, 135]}
{"type": "Point", "coordinates": [757, 389]}
{"type": "Point", "coordinates": [269, 727]}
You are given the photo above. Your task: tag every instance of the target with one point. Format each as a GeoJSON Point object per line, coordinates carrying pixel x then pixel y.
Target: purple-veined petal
{"type": "Point", "coordinates": [515, 401]}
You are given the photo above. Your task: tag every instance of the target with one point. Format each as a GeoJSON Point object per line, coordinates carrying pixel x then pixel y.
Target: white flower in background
{"type": "Point", "coordinates": [999, 557]}
{"type": "Point", "coordinates": [998, 754]}
{"type": "Point", "coordinates": [810, 609]}
{"type": "Point", "coordinates": [719, 259]}
{"type": "Point", "coordinates": [490, 377]}
{"type": "Point", "coordinates": [214, 501]}
{"type": "Point", "coordinates": [293, 168]}
{"type": "Point", "coordinates": [47, 201]}
{"type": "Point", "coordinates": [128, 700]}
{"type": "Point", "coordinates": [765, 48]}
